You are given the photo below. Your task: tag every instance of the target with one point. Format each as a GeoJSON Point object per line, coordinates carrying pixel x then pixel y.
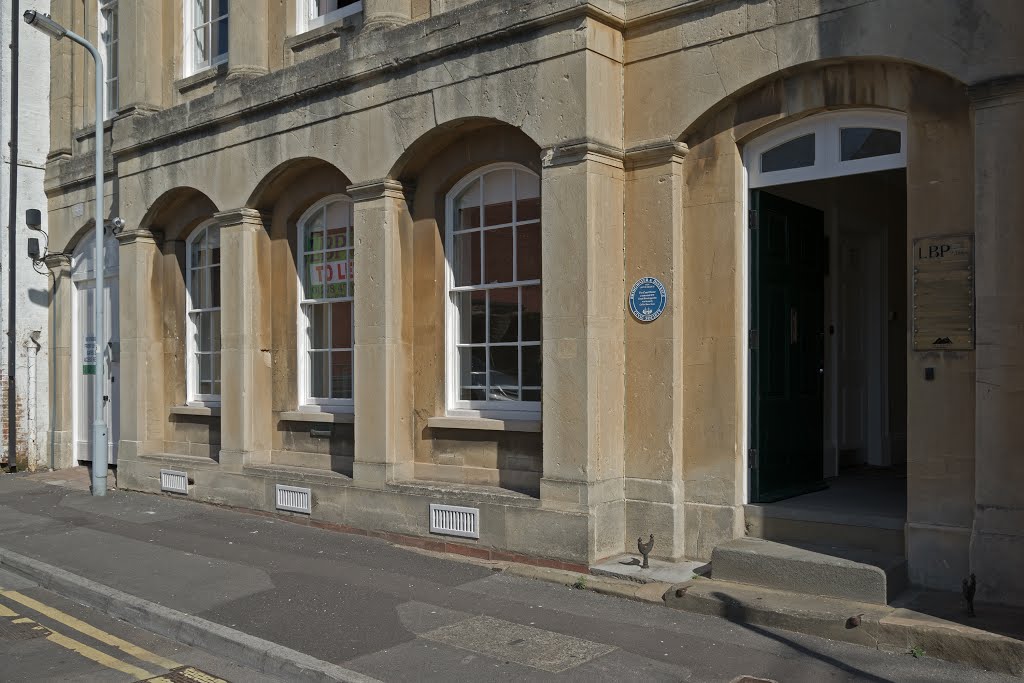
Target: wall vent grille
{"type": "Point", "coordinates": [174, 481]}
{"type": "Point", "coordinates": [294, 499]}
{"type": "Point", "coordinates": [451, 520]}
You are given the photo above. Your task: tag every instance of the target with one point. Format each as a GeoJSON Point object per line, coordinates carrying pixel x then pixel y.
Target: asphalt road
{"type": "Point", "coordinates": [393, 613]}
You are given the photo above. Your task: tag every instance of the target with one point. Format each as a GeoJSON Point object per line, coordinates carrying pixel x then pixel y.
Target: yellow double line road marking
{"type": "Point", "coordinates": [91, 631]}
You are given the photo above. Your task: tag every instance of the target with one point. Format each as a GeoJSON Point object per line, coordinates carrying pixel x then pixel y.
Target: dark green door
{"type": "Point", "coordinates": [787, 347]}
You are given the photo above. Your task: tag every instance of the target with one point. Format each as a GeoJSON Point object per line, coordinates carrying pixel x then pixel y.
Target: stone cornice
{"type": "Point", "coordinates": [55, 261]}
{"type": "Point", "coordinates": [242, 216]}
{"type": "Point", "coordinates": [997, 91]}
{"type": "Point", "coordinates": [377, 189]}
{"type": "Point", "coordinates": [655, 152]}
{"type": "Point", "coordinates": [576, 151]}
{"type": "Point", "coordinates": [126, 237]}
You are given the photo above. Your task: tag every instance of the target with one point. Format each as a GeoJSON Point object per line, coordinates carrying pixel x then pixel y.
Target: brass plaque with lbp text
{"type": "Point", "coordinates": [943, 313]}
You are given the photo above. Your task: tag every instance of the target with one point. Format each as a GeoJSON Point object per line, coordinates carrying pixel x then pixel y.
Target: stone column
{"type": "Point", "coordinates": [248, 38]}
{"type": "Point", "coordinates": [383, 334]}
{"type": "Point", "coordinates": [141, 50]}
{"type": "Point", "coordinates": [62, 380]}
{"type": "Point", "coordinates": [654, 351]}
{"type": "Point", "coordinates": [583, 350]}
{"type": "Point", "coordinates": [246, 418]}
{"type": "Point", "coordinates": [384, 13]}
{"type": "Point", "coordinates": [997, 538]}
{"type": "Point", "coordinates": [143, 412]}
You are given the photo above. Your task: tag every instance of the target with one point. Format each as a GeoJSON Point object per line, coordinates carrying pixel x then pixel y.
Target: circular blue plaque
{"type": "Point", "coordinates": [647, 299]}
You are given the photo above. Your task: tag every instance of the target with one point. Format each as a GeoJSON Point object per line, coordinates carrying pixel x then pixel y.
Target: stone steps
{"type": "Point", "coordinates": [785, 524]}
{"type": "Point", "coordinates": [827, 571]}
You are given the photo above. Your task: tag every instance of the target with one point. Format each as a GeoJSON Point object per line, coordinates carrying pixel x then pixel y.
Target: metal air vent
{"type": "Point", "coordinates": [294, 499]}
{"type": "Point", "coordinates": [452, 520]}
{"type": "Point", "coordinates": [174, 481]}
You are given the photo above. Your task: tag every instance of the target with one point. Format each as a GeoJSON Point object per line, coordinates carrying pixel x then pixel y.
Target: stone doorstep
{"type": "Point", "coordinates": [888, 628]}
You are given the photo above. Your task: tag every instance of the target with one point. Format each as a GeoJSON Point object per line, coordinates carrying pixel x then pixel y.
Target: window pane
{"type": "Point", "coordinates": [531, 366]}
{"type": "Point", "coordinates": [498, 195]}
{"type": "Point", "coordinates": [214, 282]}
{"type": "Point", "coordinates": [338, 219]}
{"type": "Point", "coordinates": [498, 255]}
{"type": "Point", "coordinates": [319, 374]}
{"type": "Point", "coordinates": [341, 325]}
{"type": "Point", "coordinates": [531, 313]}
{"type": "Point", "coordinates": [472, 373]}
{"type": "Point", "coordinates": [798, 153]}
{"type": "Point", "coordinates": [527, 196]}
{"type": "Point", "coordinates": [213, 244]}
{"type": "Point", "coordinates": [504, 315]}
{"type": "Point", "coordinates": [215, 371]}
{"type": "Point", "coordinates": [200, 287]}
{"type": "Point", "coordinates": [318, 328]}
{"type": "Point", "coordinates": [531, 395]}
{"type": "Point", "coordinates": [528, 252]}
{"type": "Point", "coordinates": [214, 331]}
{"type": "Point", "coordinates": [201, 54]}
{"type": "Point", "coordinates": [198, 253]}
{"type": "Point", "coordinates": [205, 340]}
{"type": "Point", "coordinates": [199, 12]}
{"type": "Point", "coordinates": [314, 275]}
{"type": "Point", "coordinates": [466, 259]}
{"type": "Point", "coordinates": [335, 274]}
{"type": "Point", "coordinates": [222, 7]}
{"type": "Point", "coordinates": [220, 37]}
{"type": "Point", "coordinates": [341, 374]}
{"type": "Point", "coordinates": [863, 143]}
{"type": "Point", "coordinates": [205, 371]}
{"type": "Point", "coordinates": [504, 372]}
{"type": "Point", "coordinates": [467, 208]}
{"type": "Point", "coordinates": [472, 317]}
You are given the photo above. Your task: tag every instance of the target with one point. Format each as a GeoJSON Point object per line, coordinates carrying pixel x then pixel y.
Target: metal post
{"type": "Point", "coordinates": [12, 250]}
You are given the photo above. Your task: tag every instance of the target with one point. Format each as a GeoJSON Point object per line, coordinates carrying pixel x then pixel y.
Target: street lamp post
{"type": "Point", "coordinates": [44, 23]}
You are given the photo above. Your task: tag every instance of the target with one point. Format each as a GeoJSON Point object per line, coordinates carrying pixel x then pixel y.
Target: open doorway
{"type": "Point", "coordinates": [828, 324]}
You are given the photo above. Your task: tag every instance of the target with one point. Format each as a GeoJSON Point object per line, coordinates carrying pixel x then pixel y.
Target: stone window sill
{"type": "Point", "coordinates": [207, 75]}
{"type": "Point", "coordinates": [196, 411]}
{"type": "Point", "coordinates": [310, 416]}
{"type": "Point", "coordinates": [484, 423]}
{"type": "Point", "coordinates": [323, 33]}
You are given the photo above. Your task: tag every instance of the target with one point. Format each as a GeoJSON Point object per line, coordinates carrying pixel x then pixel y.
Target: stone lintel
{"type": "Point", "coordinates": [655, 153]}
{"type": "Point", "coordinates": [378, 189]}
{"type": "Point", "coordinates": [574, 152]}
{"type": "Point", "coordinates": [997, 92]}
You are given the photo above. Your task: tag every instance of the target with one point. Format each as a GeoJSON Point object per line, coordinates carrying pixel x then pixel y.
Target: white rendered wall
{"type": "Point", "coordinates": [32, 291]}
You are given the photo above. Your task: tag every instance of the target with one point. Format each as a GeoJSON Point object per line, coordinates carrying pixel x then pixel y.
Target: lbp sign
{"type": "Point", "coordinates": [647, 299]}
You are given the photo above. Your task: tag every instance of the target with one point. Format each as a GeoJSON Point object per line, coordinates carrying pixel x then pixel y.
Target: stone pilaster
{"type": "Point", "coordinates": [583, 352]}
{"type": "Point", "coordinates": [383, 334]}
{"type": "Point", "coordinates": [143, 411]}
{"type": "Point", "coordinates": [384, 13]}
{"type": "Point", "coordinates": [248, 38]}
{"type": "Point", "coordinates": [654, 351]}
{"type": "Point", "coordinates": [246, 418]}
{"type": "Point", "coordinates": [140, 48]}
{"type": "Point", "coordinates": [62, 378]}
{"type": "Point", "coordinates": [997, 538]}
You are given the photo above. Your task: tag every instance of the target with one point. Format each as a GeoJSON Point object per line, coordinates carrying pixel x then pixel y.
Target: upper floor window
{"type": "Point", "coordinates": [108, 43]}
{"type": "Point", "coordinates": [206, 33]}
{"type": "Point", "coordinates": [203, 314]}
{"type": "Point", "coordinates": [326, 261]}
{"type": "Point", "coordinates": [493, 326]}
{"type": "Point", "coordinates": [313, 13]}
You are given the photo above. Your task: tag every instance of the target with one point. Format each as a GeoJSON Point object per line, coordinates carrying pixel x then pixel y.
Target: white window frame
{"type": "Point", "coordinates": [107, 7]}
{"type": "Point", "coordinates": [306, 401]}
{"type": "Point", "coordinates": [192, 67]}
{"type": "Point", "coordinates": [306, 18]}
{"type": "Point", "coordinates": [826, 129]}
{"type": "Point", "coordinates": [453, 404]}
{"type": "Point", "coordinates": [194, 398]}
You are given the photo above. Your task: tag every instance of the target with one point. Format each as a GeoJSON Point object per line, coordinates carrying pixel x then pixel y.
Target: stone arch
{"type": "Point", "coordinates": [275, 184]}
{"type": "Point", "coordinates": [177, 212]}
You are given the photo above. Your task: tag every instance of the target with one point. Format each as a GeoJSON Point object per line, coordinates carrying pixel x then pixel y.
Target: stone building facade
{"type": "Point", "coordinates": [382, 252]}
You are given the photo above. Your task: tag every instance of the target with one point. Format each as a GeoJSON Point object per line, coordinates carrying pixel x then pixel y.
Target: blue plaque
{"type": "Point", "coordinates": [647, 300]}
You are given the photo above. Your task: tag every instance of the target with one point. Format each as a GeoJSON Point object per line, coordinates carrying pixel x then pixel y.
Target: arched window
{"type": "Point", "coordinates": [493, 247]}
{"type": "Point", "coordinates": [326, 260]}
{"type": "Point", "coordinates": [828, 145]}
{"type": "Point", "coordinates": [203, 314]}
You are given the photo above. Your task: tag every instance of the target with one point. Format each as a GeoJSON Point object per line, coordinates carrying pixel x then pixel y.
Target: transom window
{"type": "Point", "coordinates": [326, 270]}
{"type": "Point", "coordinates": [203, 305]}
{"type": "Point", "coordinates": [494, 293]}
{"type": "Point", "coordinates": [828, 145]}
{"type": "Point", "coordinates": [206, 33]}
{"type": "Point", "coordinates": [109, 42]}
{"type": "Point", "coordinates": [314, 13]}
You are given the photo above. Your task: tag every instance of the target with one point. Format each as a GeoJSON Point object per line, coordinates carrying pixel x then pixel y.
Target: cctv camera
{"type": "Point", "coordinates": [116, 225]}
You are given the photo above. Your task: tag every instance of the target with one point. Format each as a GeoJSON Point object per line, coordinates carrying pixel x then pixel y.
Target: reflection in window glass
{"type": "Point", "coordinates": [797, 153]}
{"type": "Point", "coordinates": [495, 256]}
{"type": "Point", "coordinates": [864, 143]}
{"type": "Point", "coordinates": [203, 264]}
{"type": "Point", "coordinates": [327, 262]}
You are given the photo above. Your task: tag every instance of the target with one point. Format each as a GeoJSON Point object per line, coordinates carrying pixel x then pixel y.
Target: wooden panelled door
{"type": "Point", "coordinates": [787, 347]}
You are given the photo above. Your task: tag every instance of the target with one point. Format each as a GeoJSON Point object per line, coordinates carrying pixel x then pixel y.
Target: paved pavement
{"type": "Point", "coordinates": [400, 615]}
